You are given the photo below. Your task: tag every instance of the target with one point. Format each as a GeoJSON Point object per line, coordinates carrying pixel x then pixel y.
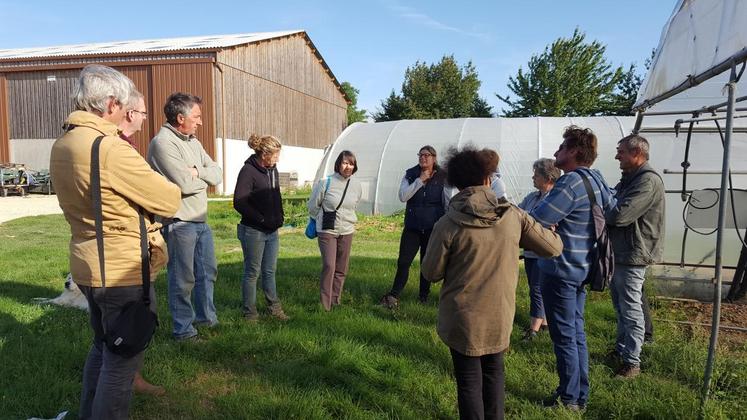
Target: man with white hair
{"type": "Point", "coordinates": [127, 185]}
{"type": "Point", "coordinates": [131, 124]}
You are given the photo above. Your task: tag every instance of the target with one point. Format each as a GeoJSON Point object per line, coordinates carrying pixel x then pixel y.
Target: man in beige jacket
{"type": "Point", "coordinates": [101, 96]}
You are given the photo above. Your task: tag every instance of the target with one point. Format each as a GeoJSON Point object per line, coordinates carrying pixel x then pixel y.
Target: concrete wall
{"type": "Point", "coordinates": [303, 160]}
{"type": "Point", "coordinates": [34, 153]}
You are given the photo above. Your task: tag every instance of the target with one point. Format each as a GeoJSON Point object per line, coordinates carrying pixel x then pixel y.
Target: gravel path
{"type": "Point", "coordinates": [31, 205]}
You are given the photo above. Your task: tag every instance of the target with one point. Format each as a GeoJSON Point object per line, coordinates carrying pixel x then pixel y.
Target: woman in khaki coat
{"type": "Point", "coordinates": [474, 248]}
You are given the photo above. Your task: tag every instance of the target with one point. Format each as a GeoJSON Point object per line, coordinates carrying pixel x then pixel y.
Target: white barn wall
{"type": "Point", "coordinates": [302, 160]}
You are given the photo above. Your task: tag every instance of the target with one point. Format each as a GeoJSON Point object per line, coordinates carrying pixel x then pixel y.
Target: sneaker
{"type": "Point", "coordinates": [628, 371]}
{"type": "Point", "coordinates": [278, 313]}
{"type": "Point", "coordinates": [389, 301]}
{"type": "Point", "coordinates": [529, 335]}
{"type": "Point", "coordinates": [423, 299]}
{"type": "Point", "coordinates": [251, 316]}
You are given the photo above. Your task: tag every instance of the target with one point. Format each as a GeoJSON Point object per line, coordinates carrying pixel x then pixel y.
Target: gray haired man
{"type": "Point", "coordinates": [128, 184]}
{"type": "Point", "coordinates": [176, 153]}
{"type": "Point", "coordinates": [636, 226]}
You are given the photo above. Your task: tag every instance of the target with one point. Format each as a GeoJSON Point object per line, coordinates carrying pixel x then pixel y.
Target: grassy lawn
{"type": "Point", "coordinates": [359, 361]}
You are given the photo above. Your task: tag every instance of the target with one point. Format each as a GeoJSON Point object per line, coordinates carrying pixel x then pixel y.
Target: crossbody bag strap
{"type": "Point", "coordinates": [589, 190]}
{"type": "Point", "coordinates": [144, 258]}
{"type": "Point", "coordinates": [96, 201]}
{"type": "Point", "coordinates": [343, 195]}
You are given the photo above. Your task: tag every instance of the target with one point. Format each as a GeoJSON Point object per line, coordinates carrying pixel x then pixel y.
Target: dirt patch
{"type": "Point", "coordinates": [732, 315]}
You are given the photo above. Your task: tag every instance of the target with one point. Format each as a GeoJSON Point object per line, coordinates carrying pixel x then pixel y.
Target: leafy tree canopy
{"type": "Point", "coordinates": [354, 114]}
{"type": "Point", "coordinates": [571, 77]}
{"type": "Point", "coordinates": [440, 90]}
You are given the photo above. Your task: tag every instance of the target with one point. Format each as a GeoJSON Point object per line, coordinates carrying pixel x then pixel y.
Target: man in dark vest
{"type": "Point", "coordinates": [422, 188]}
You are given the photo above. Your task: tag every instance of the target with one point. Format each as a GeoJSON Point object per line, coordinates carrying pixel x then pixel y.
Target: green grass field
{"type": "Point", "coordinates": [359, 361]}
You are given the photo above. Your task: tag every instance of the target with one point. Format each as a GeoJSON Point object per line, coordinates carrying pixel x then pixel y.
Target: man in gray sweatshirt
{"type": "Point", "coordinates": [178, 155]}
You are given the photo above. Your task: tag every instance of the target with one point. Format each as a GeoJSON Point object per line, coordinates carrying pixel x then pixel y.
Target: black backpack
{"type": "Point", "coordinates": [602, 256]}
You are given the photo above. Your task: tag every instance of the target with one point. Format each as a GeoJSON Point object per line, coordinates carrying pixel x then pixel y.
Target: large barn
{"type": "Point", "coordinates": [268, 83]}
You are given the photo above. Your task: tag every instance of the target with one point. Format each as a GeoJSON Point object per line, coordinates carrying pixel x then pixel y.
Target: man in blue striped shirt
{"type": "Point", "coordinates": [567, 207]}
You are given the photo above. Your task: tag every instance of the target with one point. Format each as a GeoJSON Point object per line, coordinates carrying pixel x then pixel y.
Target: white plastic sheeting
{"type": "Point", "coordinates": [699, 35]}
{"type": "Point", "coordinates": [385, 150]}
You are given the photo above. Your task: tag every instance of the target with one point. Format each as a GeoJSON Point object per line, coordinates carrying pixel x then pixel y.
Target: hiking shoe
{"type": "Point", "coordinates": [529, 335]}
{"type": "Point", "coordinates": [628, 371]}
{"type": "Point", "coordinates": [554, 401]}
{"type": "Point", "coordinates": [251, 316]}
{"type": "Point", "coordinates": [278, 313]}
{"type": "Point", "coordinates": [389, 301]}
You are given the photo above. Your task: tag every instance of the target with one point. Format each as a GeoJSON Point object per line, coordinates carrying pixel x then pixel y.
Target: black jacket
{"type": "Point", "coordinates": [257, 196]}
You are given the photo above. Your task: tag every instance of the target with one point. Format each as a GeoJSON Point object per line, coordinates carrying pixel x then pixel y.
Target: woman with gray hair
{"type": "Point", "coordinates": [545, 175]}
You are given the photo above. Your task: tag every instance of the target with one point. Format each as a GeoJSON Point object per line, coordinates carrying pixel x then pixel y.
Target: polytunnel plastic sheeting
{"type": "Point", "coordinates": [385, 150]}
{"type": "Point", "coordinates": [699, 35]}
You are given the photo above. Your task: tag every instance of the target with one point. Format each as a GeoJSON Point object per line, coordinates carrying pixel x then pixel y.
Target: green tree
{"type": "Point", "coordinates": [354, 114]}
{"type": "Point", "coordinates": [571, 77]}
{"type": "Point", "coordinates": [440, 90]}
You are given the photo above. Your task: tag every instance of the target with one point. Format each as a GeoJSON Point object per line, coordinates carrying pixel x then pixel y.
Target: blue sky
{"type": "Point", "coordinates": [368, 43]}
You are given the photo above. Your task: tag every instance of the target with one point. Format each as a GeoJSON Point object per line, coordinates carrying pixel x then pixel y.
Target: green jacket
{"type": "Point", "coordinates": [636, 223]}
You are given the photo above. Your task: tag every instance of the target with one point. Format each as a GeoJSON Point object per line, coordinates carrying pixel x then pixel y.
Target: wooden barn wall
{"type": "Point", "coordinates": [4, 132]}
{"type": "Point", "coordinates": [196, 79]}
{"type": "Point", "coordinates": [38, 106]}
{"type": "Point", "coordinates": [279, 87]}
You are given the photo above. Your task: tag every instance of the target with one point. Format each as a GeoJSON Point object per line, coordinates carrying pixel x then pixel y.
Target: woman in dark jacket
{"type": "Point", "coordinates": [422, 188]}
{"type": "Point", "coordinates": [257, 199]}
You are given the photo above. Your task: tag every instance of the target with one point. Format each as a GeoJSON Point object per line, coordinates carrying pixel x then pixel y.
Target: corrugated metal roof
{"type": "Point", "coordinates": [144, 46]}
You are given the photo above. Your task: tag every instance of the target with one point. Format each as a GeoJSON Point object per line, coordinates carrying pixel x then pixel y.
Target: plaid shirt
{"type": "Point", "coordinates": [567, 206]}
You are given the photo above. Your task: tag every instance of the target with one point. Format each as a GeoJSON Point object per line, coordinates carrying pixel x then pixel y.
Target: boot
{"type": "Point", "coordinates": [141, 386]}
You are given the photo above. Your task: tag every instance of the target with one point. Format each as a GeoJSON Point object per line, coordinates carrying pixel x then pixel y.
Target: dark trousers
{"type": "Point", "coordinates": [648, 334]}
{"type": "Point", "coordinates": [564, 307]}
{"type": "Point", "coordinates": [534, 275]}
{"type": "Point", "coordinates": [480, 385]}
{"type": "Point", "coordinates": [335, 252]}
{"type": "Point", "coordinates": [107, 377]}
{"type": "Point", "coordinates": [409, 243]}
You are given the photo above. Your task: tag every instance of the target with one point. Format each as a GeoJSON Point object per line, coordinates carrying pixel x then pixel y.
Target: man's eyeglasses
{"type": "Point", "coordinates": [143, 113]}
{"type": "Point", "coordinates": [425, 155]}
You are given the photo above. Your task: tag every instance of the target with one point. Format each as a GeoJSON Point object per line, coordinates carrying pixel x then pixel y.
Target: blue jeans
{"type": "Point", "coordinates": [260, 257]}
{"type": "Point", "coordinates": [627, 292]}
{"type": "Point", "coordinates": [534, 276]}
{"type": "Point", "coordinates": [564, 307]}
{"type": "Point", "coordinates": [191, 274]}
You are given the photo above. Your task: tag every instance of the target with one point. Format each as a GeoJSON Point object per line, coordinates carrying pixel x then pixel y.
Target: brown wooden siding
{"type": "Point", "coordinates": [38, 107]}
{"type": "Point", "coordinates": [4, 132]}
{"type": "Point", "coordinates": [281, 88]}
{"type": "Point", "coordinates": [196, 79]}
